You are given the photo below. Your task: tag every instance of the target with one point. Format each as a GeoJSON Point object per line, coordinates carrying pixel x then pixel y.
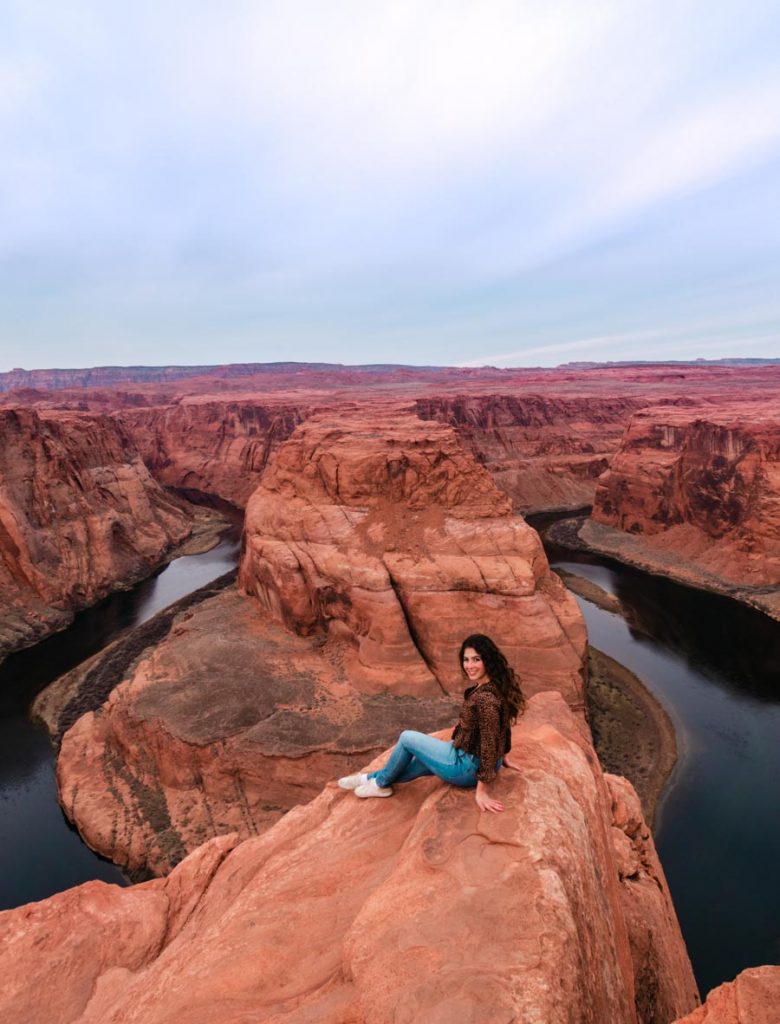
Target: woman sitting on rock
{"type": "Point", "coordinates": [479, 743]}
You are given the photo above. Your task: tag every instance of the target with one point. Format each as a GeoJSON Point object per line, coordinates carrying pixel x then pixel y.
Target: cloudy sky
{"type": "Point", "coordinates": [429, 182]}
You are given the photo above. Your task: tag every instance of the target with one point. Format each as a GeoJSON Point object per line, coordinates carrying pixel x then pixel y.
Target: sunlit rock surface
{"type": "Point", "coordinates": [417, 908]}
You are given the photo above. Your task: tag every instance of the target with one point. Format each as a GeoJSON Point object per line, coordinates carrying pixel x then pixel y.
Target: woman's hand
{"type": "Point", "coordinates": [485, 802]}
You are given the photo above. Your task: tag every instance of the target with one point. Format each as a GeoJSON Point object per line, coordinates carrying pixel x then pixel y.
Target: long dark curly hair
{"type": "Point", "coordinates": [498, 670]}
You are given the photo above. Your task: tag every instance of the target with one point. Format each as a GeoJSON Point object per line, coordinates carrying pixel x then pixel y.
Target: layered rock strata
{"type": "Point", "coordinates": [544, 451]}
{"type": "Point", "coordinates": [545, 435]}
{"type": "Point", "coordinates": [695, 493]}
{"type": "Point", "coordinates": [386, 538]}
{"type": "Point", "coordinates": [418, 908]}
{"type": "Point", "coordinates": [80, 516]}
{"type": "Point", "coordinates": [210, 446]}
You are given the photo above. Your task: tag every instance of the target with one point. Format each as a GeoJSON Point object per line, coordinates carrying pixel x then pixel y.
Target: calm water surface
{"type": "Point", "coordinates": [40, 853]}
{"type": "Point", "coordinates": [715, 666]}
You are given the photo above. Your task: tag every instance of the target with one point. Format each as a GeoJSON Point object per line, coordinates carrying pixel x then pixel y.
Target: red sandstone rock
{"type": "Point", "coordinates": [699, 490]}
{"type": "Point", "coordinates": [752, 998]}
{"type": "Point", "coordinates": [543, 434]}
{"type": "Point", "coordinates": [386, 534]}
{"type": "Point", "coordinates": [68, 948]}
{"type": "Point", "coordinates": [657, 947]}
{"type": "Point", "coordinates": [544, 451]}
{"type": "Point", "coordinates": [209, 446]}
{"type": "Point", "coordinates": [222, 727]}
{"type": "Point", "coordinates": [418, 908]}
{"type": "Point", "coordinates": [80, 516]}
{"type": "Point", "coordinates": [383, 547]}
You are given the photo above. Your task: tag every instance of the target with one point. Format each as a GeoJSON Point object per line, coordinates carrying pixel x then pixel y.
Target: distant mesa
{"type": "Point", "coordinates": [102, 376]}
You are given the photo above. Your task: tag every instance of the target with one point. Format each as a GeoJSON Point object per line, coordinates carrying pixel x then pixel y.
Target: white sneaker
{"type": "Point", "coordinates": [353, 781]}
{"type": "Point", "coordinates": [371, 788]}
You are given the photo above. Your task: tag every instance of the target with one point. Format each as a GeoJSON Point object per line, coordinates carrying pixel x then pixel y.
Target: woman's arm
{"type": "Point", "coordinates": [489, 741]}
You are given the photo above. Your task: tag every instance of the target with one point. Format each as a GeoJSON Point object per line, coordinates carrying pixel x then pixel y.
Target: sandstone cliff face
{"type": "Point", "coordinates": [80, 516]}
{"type": "Point", "coordinates": [385, 535]}
{"type": "Point", "coordinates": [545, 452]}
{"type": "Point", "coordinates": [701, 485]}
{"type": "Point", "coordinates": [752, 998]}
{"type": "Point", "coordinates": [413, 909]}
{"type": "Point", "coordinates": [211, 446]}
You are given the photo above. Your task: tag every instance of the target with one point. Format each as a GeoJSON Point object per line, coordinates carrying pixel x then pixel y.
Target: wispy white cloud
{"type": "Point", "coordinates": [555, 348]}
{"type": "Point", "coordinates": [697, 337]}
{"type": "Point", "coordinates": [689, 151]}
{"type": "Point", "coordinates": [423, 157]}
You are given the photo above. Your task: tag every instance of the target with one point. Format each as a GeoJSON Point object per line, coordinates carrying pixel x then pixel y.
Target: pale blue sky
{"type": "Point", "coordinates": [514, 183]}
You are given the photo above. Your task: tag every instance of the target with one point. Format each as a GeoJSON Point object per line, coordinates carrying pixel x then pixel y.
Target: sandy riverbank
{"type": "Point", "coordinates": [583, 534]}
{"type": "Point", "coordinates": [632, 733]}
{"type": "Point", "coordinates": [591, 592]}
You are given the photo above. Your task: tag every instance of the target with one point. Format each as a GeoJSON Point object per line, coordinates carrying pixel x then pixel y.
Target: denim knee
{"type": "Point", "coordinates": [406, 736]}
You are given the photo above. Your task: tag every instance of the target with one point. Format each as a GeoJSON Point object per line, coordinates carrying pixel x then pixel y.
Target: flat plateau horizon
{"type": "Point", "coordinates": [571, 364]}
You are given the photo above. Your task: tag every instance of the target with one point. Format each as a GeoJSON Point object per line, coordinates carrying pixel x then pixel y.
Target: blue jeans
{"type": "Point", "coordinates": [417, 754]}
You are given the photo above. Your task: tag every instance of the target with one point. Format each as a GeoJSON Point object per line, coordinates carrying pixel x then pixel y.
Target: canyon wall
{"type": "Point", "coordinates": [214, 447]}
{"type": "Point", "coordinates": [544, 435]}
{"type": "Point", "coordinates": [418, 908]}
{"type": "Point", "coordinates": [375, 538]}
{"type": "Point", "coordinates": [544, 451]}
{"type": "Point", "coordinates": [80, 516]}
{"type": "Point", "coordinates": [698, 491]}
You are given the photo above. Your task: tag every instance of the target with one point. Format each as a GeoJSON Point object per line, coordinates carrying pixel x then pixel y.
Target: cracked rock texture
{"type": "Point", "coordinates": [413, 909]}
{"type": "Point", "coordinates": [384, 534]}
{"type": "Point", "coordinates": [698, 491]}
{"type": "Point", "coordinates": [80, 517]}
